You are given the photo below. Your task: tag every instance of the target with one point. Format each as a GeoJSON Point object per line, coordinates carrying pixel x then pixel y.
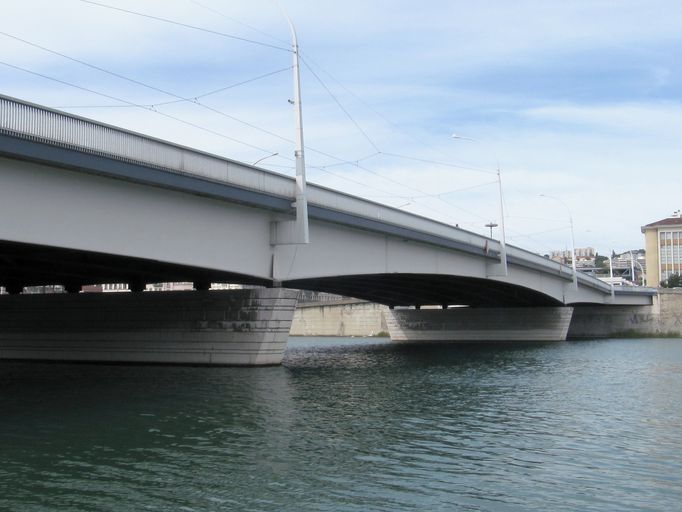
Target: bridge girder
{"type": "Point", "coordinates": [34, 265]}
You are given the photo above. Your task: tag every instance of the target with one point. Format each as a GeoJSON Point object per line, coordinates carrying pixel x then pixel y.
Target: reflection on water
{"type": "Point", "coordinates": [353, 425]}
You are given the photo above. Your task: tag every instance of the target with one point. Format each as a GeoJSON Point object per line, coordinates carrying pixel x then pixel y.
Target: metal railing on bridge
{"type": "Point", "coordinates": [34, 122]}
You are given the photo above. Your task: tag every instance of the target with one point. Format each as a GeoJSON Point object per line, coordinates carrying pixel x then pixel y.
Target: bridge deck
{"type": "Point", "coordinates": [34, 133]}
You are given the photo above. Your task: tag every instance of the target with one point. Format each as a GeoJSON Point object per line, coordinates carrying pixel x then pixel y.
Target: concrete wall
{"type": "Point", "coordinates": [663, 318]}
{"type": "Point", "coordinates": [366, 319]}
{"type": "Point", "coordinates": [670, 311]}
{"type": "Point", "coordinates": [223, 327]}
{"type": "Point", "coordinates": [480, 324]}
{"type": "Point", "coordinates": [349, 318]}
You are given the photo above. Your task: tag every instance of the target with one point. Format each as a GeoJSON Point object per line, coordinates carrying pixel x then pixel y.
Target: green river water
{"type": "Point", "coordinates": [353, 425]}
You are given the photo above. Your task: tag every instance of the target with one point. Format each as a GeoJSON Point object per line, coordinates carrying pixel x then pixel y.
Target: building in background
{"type": "Point", "coordinates": [584, 256]}
{"type": "Point", "coordinates": [663, 241]}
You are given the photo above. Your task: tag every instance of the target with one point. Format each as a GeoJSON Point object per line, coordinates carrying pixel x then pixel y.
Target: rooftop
{"type": "Point", "coordinates": [674, 220]}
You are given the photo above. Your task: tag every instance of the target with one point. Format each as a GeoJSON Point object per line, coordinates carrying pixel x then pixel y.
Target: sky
{"type": "Point", "coordinates": [578, 102]}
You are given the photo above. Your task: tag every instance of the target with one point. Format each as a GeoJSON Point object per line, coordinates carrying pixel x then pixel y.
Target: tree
{"type": "Point", "coordinates": [674, 281]}
{"type": "Point", "coordinates": [600, 261]}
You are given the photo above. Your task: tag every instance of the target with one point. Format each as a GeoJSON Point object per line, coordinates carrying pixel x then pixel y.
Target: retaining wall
{"type": "Point", "coordinates": [357, 318]}
{"type": "Point", "coordinates": [348, 318]}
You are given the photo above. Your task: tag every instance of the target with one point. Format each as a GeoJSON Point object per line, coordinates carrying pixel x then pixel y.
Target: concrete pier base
{"type": "Point", "coordinates": [480, 324]}
{"type": "Point", "coordinates": [231, 327]}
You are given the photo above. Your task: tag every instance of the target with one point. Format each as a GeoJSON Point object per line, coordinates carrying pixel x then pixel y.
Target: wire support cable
{"type": "Point", "coordinates": [178, 99]}
{"type": "Point", "coordinates": [133, 104]}
{"type": "Point", "coordinates": [182, 99]}
{"type": "Point", "coordinates": [343, 109]}
{"type": "Point", "coordinates": [186, 25]}
{"type": "Point", "coordinates": [369, 107]}
{"type": "Point", "coordinates": [441, 194]}
{"type": "Point", "coordinates": [235, 20]}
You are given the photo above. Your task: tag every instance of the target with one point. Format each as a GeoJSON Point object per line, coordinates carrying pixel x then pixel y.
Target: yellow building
{"type": "Point", "coordinates": [663, 241]}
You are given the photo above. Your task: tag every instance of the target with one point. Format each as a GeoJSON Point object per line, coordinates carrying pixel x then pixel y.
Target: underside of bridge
{"type": "Point", "coordinates": [36, 265]}
{"type": "Point", "coordinates": [426, 289]}
{"type": "Point", "coordinates": [33, 265]}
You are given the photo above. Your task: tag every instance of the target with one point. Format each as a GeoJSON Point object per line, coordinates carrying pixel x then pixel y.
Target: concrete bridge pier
{"type": "Point", "coordinates": [480, 324]}
{"type": "Point", "coordinates": [221, 327]}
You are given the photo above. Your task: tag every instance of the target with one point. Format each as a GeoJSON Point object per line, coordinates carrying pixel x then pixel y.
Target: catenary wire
{"type": "Point", "coordinates": [195, 100]}
{"type": "Point", "coordinates": [343, 109]}
{"type": "Point", "coordinates": [151, 109]}
{"type": "Point", "coordinates": [377, 112]}
{"type": "Point", "coordinates": [188, 123]}
{"type": "Point", "coordinates": [263, 44]}
{"type": "Point", "coordinates": [186, 25]}
{"type": "Point", "coordinates": [235, 20]}
{"type": "Point", "coordinates": [188, 99]}
{"type": "Point", "coordinates": [137, 82]}
{"type": "Point", "coordinates": [157, 89]}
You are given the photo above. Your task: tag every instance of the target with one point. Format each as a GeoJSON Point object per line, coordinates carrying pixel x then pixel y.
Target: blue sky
{"type": "Point", "coordinates": [576, 99]}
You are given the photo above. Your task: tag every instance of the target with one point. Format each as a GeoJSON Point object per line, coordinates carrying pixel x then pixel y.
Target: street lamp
{"type": "Point", "coordinates": [641, 270]}
{"type": "Point", "coordinates": [301, 204]}
{"type": "Point", "coordinates": [491, 225]}
{"type": "Point", "coordinates": [570, 219]}
{"type": "Point", "coordinates": [613, 291]}
{"type": "Point", "coordinates": [265, 157]}
{"type": "Point", "coordinates": [503, 238]}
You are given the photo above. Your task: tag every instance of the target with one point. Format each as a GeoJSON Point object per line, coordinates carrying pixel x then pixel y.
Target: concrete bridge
{"type": "Point", "coordinates": [82, 202]}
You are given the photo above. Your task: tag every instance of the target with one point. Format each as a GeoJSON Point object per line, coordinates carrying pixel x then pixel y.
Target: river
{"type": "Point", "coordinates": [353, 425]}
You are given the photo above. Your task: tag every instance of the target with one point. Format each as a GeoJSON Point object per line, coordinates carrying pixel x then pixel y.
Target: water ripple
{"type": "Point", "coordinates": [353, 425]}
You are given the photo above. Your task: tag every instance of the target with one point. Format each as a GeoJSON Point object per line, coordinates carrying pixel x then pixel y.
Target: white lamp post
{"type": "Point", "coordinates": [613, 291]}
{"type": "Point", "coordinates": [570, 219]}
{"type": "Point", "coordinates": [641, 270]}
{"type": "Point", "coordinates": [301, 235]}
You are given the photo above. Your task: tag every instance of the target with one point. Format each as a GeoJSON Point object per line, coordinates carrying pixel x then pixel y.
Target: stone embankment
{"type": "Point", "coordinates": [340, 318]}
{"type": "Point", "coordinates": [358, 318]}
{"type": "Point", "coordinates": [663, 318]}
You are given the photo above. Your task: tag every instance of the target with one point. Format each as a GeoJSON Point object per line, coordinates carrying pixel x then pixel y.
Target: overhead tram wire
{"type": "Point", "coordinates": [380, 152]}
{"type": "Point", "coordinates": [230, 36]}
{"type": "Point", "coordinates": [188, 99]}
{"type": "Point", "coordinates": [235, 20]}
{"type": "Point", "coordinates": [137, 82]}
{"type": "Point", "coordinates": [186, 25]}
{"type": "Point", "coordinates": [376, 112]}
{"type": "Point", "coordinates": [463, 189]}
{"type": "Point", "coordinates": [151, 109]}
{"type": "Point", "coordinates": [343, 109]}
{"type": "Point", "coordinates": [394, 155]}
{"type": "Point", "coordinates": [179, 98]}
{"type": "Point", "coordinates": [340, 161]}
{"type": "Point", "coordinates": [188, 123]}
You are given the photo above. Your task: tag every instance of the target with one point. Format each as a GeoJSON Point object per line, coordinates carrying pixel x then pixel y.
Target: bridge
{"type": "Point", "coordinates": [83, 203]}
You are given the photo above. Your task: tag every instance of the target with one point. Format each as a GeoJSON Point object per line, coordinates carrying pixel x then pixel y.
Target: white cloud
{"type": "Point", "coordinates": [638, 119]}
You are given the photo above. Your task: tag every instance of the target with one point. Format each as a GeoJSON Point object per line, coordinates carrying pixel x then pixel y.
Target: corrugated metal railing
{"type": "Point", "coordinates": [34, 122]}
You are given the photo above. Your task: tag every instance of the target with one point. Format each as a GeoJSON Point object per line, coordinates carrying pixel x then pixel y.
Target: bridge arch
{"type": "Point", "coordinates": [410, 289]}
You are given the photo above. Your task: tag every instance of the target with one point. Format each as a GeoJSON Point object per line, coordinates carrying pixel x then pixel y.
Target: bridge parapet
{"type": "Point", "coordinates": [41, 124]}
